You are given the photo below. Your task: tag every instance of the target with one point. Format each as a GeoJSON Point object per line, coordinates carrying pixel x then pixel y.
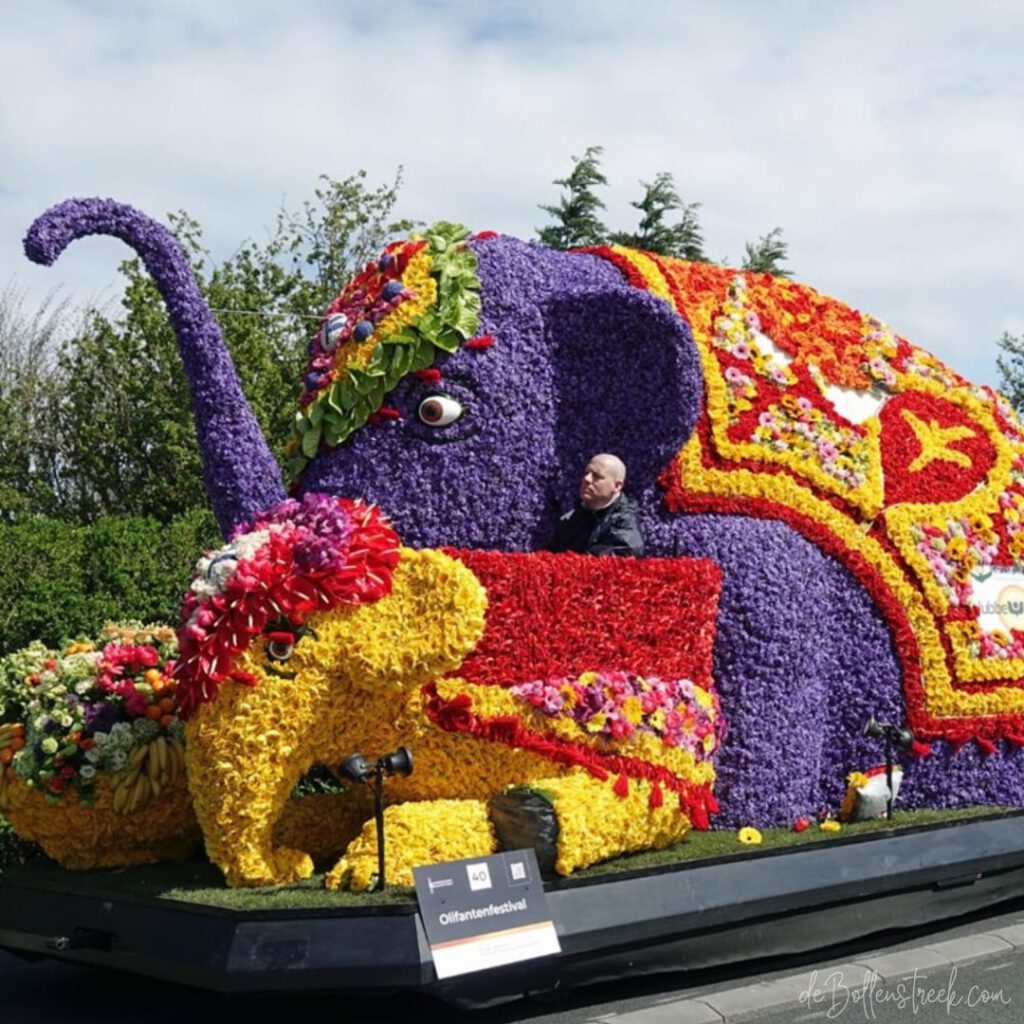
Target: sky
{"type": "Point", "coordinates": [883, 138]}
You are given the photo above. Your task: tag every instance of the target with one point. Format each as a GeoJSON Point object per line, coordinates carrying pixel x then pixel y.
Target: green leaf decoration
{"type": "Point", "coordinates": [344, 407]}
{"type": "Point", "coordinates": [448, 340]}
{"type": "Point", "coordinates": [310, 442]}
{"type": "Point", "coordinates": [336, 398]}
{"type": "Point", "coordinates": [423, 358]}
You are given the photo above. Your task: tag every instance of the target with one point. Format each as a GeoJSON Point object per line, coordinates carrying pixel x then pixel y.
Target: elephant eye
{"type": "Point", "coordinates": [439, 411]}
{"type": "Point", "coordinates": [330, 333]}
{"type": "Point", "coordinates": [280, 646]}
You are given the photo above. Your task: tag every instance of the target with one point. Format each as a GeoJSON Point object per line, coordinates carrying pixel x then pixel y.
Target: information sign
{"type": "Point", "coordinates": [484, 912]}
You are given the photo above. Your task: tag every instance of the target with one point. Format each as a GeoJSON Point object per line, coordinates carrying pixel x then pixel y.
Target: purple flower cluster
{"type": "Point", "coordinates": [323, 528]}
{"type": "Point", "coordinates": [802, 660]}
{"type": "Point", "coordinates": [241, 474]}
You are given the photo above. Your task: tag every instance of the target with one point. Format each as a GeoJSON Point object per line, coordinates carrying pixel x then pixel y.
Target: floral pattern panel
{"type": "Point", "coordinates": [821, 416]}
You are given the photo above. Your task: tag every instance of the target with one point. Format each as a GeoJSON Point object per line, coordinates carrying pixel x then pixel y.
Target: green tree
{"type": "Point", "coordinates": [343, 228]}
{"type": "Point", "coordinates": [654, 232]}
{"type": "Point", "coordinates": [576, 220]}
{"type": "Point", "coordinates": [28, 386]}
{"type": "Point", "coordinates": [1010, 363]}
{"type": "Point", "coordinates": [768, 254]}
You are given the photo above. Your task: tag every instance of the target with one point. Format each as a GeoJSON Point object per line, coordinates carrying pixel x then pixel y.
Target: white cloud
{"type": "Point", "coordinates": [883, 138]}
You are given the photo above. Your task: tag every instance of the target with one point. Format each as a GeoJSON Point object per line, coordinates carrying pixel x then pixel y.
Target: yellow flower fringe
{"type": "Point", "coordinates": [82, 837]}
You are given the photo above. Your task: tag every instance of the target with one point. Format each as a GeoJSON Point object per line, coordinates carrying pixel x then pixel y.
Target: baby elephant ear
{"type": "Point", "coordinates": [627, 379]}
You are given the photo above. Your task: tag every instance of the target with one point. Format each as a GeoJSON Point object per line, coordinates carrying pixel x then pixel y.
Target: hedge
{"type": "Point", "coordinates": [58, 581]}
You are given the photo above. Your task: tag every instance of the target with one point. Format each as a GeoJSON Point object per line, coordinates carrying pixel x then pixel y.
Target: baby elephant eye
{"type": "Point", "coordinates": [439, 410]}
{"type": "Point", "coordinates": [280, 646]}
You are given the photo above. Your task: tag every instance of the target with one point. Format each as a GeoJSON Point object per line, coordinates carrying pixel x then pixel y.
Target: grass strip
{"type": "Point", "coordinates": [199, 882]}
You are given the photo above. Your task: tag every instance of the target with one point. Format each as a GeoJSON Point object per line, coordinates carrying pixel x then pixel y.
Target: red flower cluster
{"type": "Point", "coordinates": [272, 586]}
{"type": "Point", "coordinates": [119, 666]}
{"type": "Point", "coordinates": [657, 616]}
{"type": "Point", "coordinates": [964, 460]}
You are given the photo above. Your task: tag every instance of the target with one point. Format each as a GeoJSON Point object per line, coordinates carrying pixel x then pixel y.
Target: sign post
{"type": "Point", "coordinates": [484, 912]}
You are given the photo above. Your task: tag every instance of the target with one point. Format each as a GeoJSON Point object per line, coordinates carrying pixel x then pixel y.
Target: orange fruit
{"type": "Point", "coordinates": [154, 712]}
{"type": "Point", "coordinates": [167, 703]}
{"type": "Point", "coordinates": [17, 743]}
{"type": "Point", "coordinates": [6, 756]}
{"type": "Point", "coordinates": [167, 720]}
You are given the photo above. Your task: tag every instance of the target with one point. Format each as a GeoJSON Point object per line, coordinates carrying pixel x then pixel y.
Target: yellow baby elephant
{"type": "Point", "coordinates": [313, 635]}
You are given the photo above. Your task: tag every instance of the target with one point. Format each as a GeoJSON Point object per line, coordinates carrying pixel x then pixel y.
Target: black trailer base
{"type": "Point", "coordinates": [690, 916]}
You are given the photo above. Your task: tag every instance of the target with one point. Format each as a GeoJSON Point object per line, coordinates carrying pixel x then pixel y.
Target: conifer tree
{"type": "Point", "coordinates": [654, 233]}
{"type": "Point", "coordinates": [768, 254]}
{"type": "Point", "coordinates": [576, 219]}
{"type": "Point", "coordinates": [1010, 364]}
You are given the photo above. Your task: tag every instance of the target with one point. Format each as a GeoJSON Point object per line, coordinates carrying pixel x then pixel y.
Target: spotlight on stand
{"type": "Point", "coordinates": [397, 763]}
{"type": "Point", "coordinates": [358, 768]}
{"type": "Point", "coordinates": [894, 736]}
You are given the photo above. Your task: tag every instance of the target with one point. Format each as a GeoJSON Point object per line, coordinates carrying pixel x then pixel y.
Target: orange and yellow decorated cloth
{"type": "Point", "coordinates": [910, 475]}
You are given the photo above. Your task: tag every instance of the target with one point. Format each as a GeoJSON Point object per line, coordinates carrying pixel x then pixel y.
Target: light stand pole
{"type": "Point", "coordinates": [893, 736]}
{"type": "Point", "coordinates": [358, 768]}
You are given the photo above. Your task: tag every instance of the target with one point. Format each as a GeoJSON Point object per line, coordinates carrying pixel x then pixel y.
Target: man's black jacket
{"type": "Point", "coordinates": [612, 530]}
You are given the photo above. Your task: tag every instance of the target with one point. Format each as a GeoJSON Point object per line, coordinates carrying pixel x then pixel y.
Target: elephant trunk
{"type": "Point", "coordinates": [242, 477]}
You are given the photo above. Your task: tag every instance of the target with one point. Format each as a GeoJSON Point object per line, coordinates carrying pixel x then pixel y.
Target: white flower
{"type": "Point", "coordinates": [87, 771]}
{"type": "Point", "coordinates": [93, 756]}
{"type": "Point", "coordinates": [49, 745]}
{"type": "Point", "coordinates": [117, 760]}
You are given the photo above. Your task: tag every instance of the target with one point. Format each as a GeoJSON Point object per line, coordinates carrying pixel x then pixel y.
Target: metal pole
{"type": "Point", "coordinates": [378, 813]}
{"type": "Point", "coordinates": [888, 774]}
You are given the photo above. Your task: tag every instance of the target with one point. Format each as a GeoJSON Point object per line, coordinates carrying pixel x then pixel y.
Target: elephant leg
{"type": "Point", "coordinates": [323, 824]}
{"type": "Point", "coordinates": [416, 833]}
{"type": "Point", "coordinates": [240, 782]}
{"type": "Point", "coordinates": [802, 659]}
{"type": "Point", "coordinates": [575, 820]}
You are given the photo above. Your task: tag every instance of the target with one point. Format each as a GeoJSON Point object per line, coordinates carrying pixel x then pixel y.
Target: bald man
{"type": "Point", "coordinates": [604, 520]}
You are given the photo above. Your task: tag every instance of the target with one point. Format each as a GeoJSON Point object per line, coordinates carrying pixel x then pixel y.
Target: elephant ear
{"type": "Point", "coordinates": [627, 378]}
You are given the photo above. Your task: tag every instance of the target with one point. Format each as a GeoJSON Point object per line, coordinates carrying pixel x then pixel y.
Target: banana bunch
{"type": "Point", "coordinates": [9, 732]}
{"type": "Point", "coordinates": [12, 739]}
{"type": "Point", "coordinates": [150, 770]}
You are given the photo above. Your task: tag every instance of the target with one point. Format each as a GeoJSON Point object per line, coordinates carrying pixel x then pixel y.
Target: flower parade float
{"type": "Point", "coordinates": [834, 520]}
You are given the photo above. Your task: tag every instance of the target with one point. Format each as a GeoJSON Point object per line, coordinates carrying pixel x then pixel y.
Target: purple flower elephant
{"type": "Point", "coordinates": [583, 362]}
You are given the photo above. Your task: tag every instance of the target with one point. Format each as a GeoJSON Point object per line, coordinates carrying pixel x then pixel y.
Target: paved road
{"type": "Point", "coordinates": [971, 974]}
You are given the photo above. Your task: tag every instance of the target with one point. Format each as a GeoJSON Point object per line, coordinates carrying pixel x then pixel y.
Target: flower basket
{"type": "Point", "coordinates": [82, 836]}
{"type": "Point", "coordinates": [92, 762]}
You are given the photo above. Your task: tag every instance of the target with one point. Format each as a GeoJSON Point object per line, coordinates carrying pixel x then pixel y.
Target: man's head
{"type": "Point", "coordinates": [602, 481]}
